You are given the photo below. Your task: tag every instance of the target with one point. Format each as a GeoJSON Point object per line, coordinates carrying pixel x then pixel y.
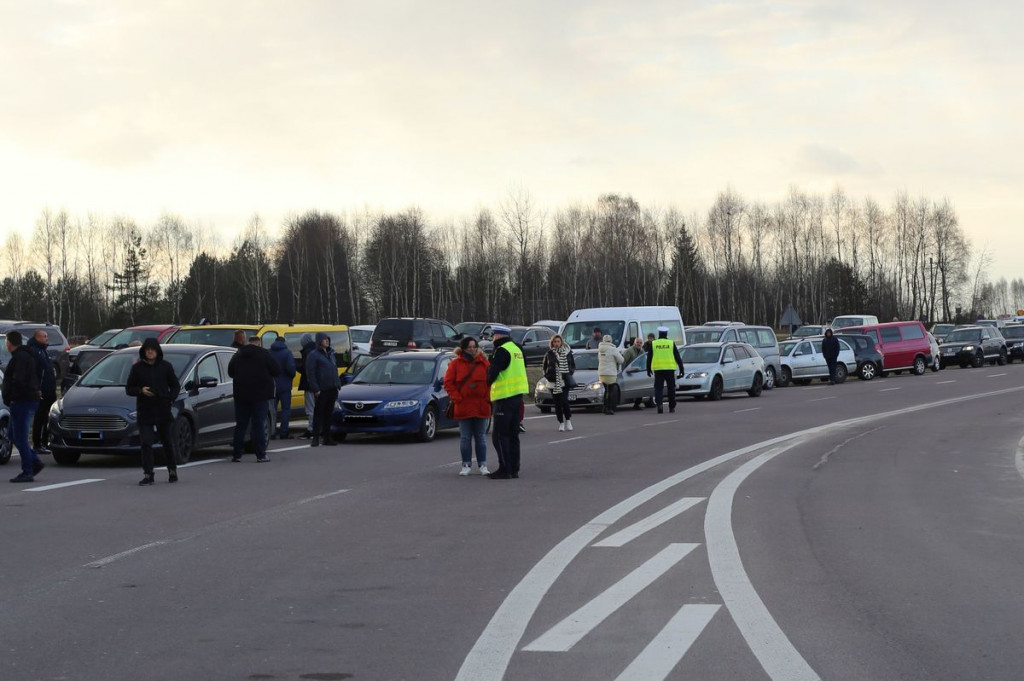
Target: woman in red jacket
{"type": "Point", "coordinates": [466, 385]}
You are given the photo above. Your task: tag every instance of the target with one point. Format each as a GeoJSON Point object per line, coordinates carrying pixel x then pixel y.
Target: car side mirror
{"type": "Point", "coordinates": [347, 378]}
{"type": "Point", "coordinates": [438, 384]}
{"type": "Point", "coordinates": [208, 382]}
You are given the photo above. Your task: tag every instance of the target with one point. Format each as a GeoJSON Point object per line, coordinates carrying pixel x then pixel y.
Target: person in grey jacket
{"type": "Point", "coordinates": [324, 382]}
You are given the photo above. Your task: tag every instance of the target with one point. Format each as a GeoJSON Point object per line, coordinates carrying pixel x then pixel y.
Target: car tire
{"type": "Point", "coordinates": [184, 441]}
{"type": "Point", "coordinates": [936, 365]}
{"type": "Point", "coordinates": [769, 377]}
{"type": "Point", "coordinates": [919, 366]}
{"type": "Point", "coordinates": [757, 386]}
{"type": "Point", "coordinates": [428, 425]}
{"type": "Point", "coordinates": [1002, 358]}
{"type": "Point", "coordinates": [841, 373]}
{"type": "Point", "coordinates": [545, 410]}
{"type": "Point", "coordinates": [786, 378]}
{"type": "Point", "coordinates": [978, 360]}
{"type": "Point", "coordinates": [715, 393]}
{"type": "Point", "coordinates": [6, 447]}
{"type": "Point", "coordinates": [66, 458]}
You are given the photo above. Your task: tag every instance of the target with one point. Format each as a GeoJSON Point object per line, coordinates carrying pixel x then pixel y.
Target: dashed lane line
{"type": "Point", "coordinates": [740, 411]}
{"type": "Point", "coordinates": [995, 375]}
{"type": "Point", "coordinates": [623, 537]}
{"type": "Point", "coordinates": [941, 382]}
{"type": "Point", "coordinates": [822, 399]}
{"type": "Point", "coordinates": [61, 485]}
{"type": "Point", "coordinates": [886, 390]}
{"type": "Point", "coordinates": [665, 651]}
{"type": "Point", "coordinates": [568, 439]}
{"type": "Point", "coordinates": [659, 423]}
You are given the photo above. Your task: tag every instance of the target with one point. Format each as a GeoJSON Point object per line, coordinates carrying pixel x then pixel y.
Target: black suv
{"type": "Point", "coordinates": [869, 359]}
{"type": "Point", "coordinates": [412, 333]}
{"type": "Point", "coordinates": [974, 345]}
{"type": "Point", "coordinates": [57, 345]}
{"type": "Point", "coordinates": [1014, 335]}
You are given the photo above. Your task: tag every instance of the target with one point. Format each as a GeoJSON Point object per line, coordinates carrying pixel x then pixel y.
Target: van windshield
{"type": "Point", "coordinates": [576, 334]}
{"type": "Point", "coordinates": [845, 322]}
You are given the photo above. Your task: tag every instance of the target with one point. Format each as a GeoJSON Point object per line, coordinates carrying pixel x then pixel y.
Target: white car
{"type": "Point", "coordinates": [711, 369]}
{"type": "Point", "coordinates": [359, 337]}
{"type": "Point", "coordinates": [802, 361]}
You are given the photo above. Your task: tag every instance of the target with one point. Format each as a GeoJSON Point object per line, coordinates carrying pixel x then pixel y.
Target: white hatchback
{"type": "Point", "coordinates": [802, 361]}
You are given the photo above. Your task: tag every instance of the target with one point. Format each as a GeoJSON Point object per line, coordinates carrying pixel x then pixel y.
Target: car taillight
{"type": "Point", "coordinates": [67, 348]}
{"type": "Point", "coordinates": [412, 344]}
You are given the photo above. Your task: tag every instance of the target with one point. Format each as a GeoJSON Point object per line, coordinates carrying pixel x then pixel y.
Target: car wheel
{"type": "Point", "coordinates": [545, 410]}
{"type": "Point", "coordinates": [786, 378]}
{"type": "Point", "coordinates": [66, 458]}
{"type": "Point", "coordinates": [428, 426]}
{"type": "Point", "coordinates": [716, 389]}
{"type": "Point", "coordinates": [841, 373]}
{"type": "Point", "coordinates": [769, 377]}
{"type": "Point", "coordinates": [936, 364]}
{"type": "Point", "coordinates": [184, 440]}
{"type": "Point", "coordinates": [1002, 358]}
{"type": "Point", "coordinates": [6, 448]}
{"type": "Point", "coordinates": [919, 366]}
{"type": "Point", "coordinates": [978, 360]}
{"type": "Point", "coordinates": [757, 387]}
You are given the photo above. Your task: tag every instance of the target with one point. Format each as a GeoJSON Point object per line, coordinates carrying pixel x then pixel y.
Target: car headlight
{"type": "Point", "coordinates": [596, 385]}
{"type": "Point", "coordinates": [56, 408]}
{"type": "Point", "coordinates": [542, 386]}
{"type": "Point", "coordinates": [133, 415]}
{"type": "Point", "coordinates": [968, 348]}
{"type": "Point", "coordinates": [401, 404]}
{"type": "Point", "coordinates": [697, 374]}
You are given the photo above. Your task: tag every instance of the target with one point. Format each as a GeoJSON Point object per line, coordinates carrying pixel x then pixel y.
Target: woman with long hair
{"type": "Point", "coordinates": [466, 385]}
{"type": "Point", "coordinates": [559, 366]}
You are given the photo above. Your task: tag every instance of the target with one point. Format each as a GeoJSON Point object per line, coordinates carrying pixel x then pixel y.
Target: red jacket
{"type": "Point", "coordinates": [473, 399]}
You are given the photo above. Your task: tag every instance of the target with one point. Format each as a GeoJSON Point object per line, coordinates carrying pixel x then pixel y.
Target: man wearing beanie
{"type": "Point", "coordinates": [324, 382]}
{"type": "Point", "coordinates": [252, 370]}
{"type": "Point", "coordinates": [21, 393]}
{"type": "Point", "coordinates": [155, 387]}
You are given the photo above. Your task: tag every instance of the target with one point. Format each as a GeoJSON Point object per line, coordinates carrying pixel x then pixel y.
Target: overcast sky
{"type": "Point", "coordinates": [217, 110]}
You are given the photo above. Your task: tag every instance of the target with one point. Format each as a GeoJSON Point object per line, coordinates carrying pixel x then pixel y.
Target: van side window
{"type": "Point", "coordinates": [890, 334]}
{"type": "Point", "coordinates": [912, 332]}
{"type": "Point", "coordinates": [749, 336]}
{"type": "Point", "coordinates": [766, 338]}
{"type": "Point", "coordinates": [634, 331]}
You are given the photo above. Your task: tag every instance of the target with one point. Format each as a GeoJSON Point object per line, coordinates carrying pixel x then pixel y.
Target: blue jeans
{"type": "Point", "coordinates": [284, 399]}
{"type": "Point", "coordinates": [254, 413]}
{"type": "Point", "coordinates": [21, 422]}
{"type": "Point", "coordinates": [473, 429]}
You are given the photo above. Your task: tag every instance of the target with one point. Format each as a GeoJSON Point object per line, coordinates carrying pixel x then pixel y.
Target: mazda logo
{"type": "Point", "coordinates": [93, 410]}
{"type": "Point", "coordinates": [359, 405]}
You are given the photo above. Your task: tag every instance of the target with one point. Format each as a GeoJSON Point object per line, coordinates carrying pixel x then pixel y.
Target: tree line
{"type": "Point", "coordinates": [513, 262]}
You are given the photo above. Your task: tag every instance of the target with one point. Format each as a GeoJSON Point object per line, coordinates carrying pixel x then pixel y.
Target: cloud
{"type": "Point", "coordinates": [820, 159]}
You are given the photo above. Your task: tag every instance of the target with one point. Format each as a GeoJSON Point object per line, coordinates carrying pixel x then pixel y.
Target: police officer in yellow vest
{"type": "Point", "coordinates": [662, 362]}
{"type": "Point", "coordinates": [507, 378]}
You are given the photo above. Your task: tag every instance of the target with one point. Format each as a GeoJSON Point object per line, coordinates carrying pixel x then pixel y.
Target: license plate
{"type": "Point", "coordinates": [573, 397]}
{"type": "Point", "coordinates": [90, 435]}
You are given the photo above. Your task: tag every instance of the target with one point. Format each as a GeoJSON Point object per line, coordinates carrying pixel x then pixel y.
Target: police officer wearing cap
{"type": "Point", "coordinates": [507, 378]}
{"type": "Point", "coordinates": [663, 361]}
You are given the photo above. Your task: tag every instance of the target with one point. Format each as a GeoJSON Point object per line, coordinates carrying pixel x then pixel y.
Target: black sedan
{"type": "Point", "coordinates": [96, 416]}
{"type": "Point", "coordinates": [1014, 335]}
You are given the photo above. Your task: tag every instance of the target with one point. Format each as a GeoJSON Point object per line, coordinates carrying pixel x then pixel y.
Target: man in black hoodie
{"type": "Point", "coordinates": [155, 387]}
{"type": "Point", "coordinates": [253, 371]}
{"type": "Point", "coordinates": [21, 393]}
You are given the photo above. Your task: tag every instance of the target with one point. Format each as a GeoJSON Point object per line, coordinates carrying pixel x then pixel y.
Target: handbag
{"type": "Point", "coordinates": [449, 409]}
{"type": "Point", "coordinates": [569, 381]}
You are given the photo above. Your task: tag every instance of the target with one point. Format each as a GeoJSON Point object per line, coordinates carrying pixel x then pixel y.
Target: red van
{"type": "Point", "coordinates": [903, 344]}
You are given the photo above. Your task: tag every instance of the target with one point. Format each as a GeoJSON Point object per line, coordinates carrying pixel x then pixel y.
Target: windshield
{"type": "Point", "coordinates": [1013, 332]}
{"type": "Point", "coordinates": [360, 335]}
{"type": "Point", "coordinates": [586, 361]}
{"type": "Point", "coordinates": [470, 328]}
{"type": "Point", "coordinates": [706, 355]}
{"type": "Point", "coordinates": [207, 336]}
{"type": "Point", "coordinates": [126, 337]}
{"type": "Point", "coordinates": [399, 370]}
{"type": "Point", "coordinates": [844, 322]}
{"type": "Point", "coordinates": [987, 322]}
{"type": "Point", "coordinates": [114, 369]}
{"type": "Point", "coordinates": [964, 335]}
{"type": "Point", "coordinates": [517, 335]}
{"type": "Point", "coordinates": [102, 338]}
{"type": "Point", "coordinates": [942, 329]}
{"type": "Point", "coordinates": [785, 347]}
{"type": "Point", "coordinates": [808, 331]}
{"type": "Point", "coordinates": [694, 336]}
{"type": "Point", "coordinates": [577, 334]}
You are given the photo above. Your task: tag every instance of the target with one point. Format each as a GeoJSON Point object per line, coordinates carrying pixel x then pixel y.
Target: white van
{"type": "Point", "coordinates": [623, 324]}
{"type": "Point", "coordinates": [847, 320]}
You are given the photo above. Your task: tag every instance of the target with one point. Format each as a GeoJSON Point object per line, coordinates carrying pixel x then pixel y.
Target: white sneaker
{"type": "Point", "coordinates": [568, 425]}
{"type": "Point", "coordinates": [561, 427]}
{"type": "Point", "coordinates": [483, 470]}
{"type": "Point", "coordinates": [465, 470]}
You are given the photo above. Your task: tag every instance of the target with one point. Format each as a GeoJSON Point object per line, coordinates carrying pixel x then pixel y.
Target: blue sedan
{"type": "Point", "coordinates": [399, 392]}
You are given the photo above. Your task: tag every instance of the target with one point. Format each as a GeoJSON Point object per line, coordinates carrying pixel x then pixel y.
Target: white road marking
{"type": "Point", "coordinates": [819, 399]}
{"type": "Point", "coordinates": [762, 633]}
{"type": "Point", "coordinates": [567, 633]}
{"type": "Point", "coordinates": [740, 411]}
{"type": "Point", "coordinates": [568, 439]}
{"type": "Point", "coordinates": [659, 423]}
{"type": "Point", "coordinates": [193, 464]}
{"type": "Point", "coordinates": [542, 416]}
{"type": "Point", "coordinates": [663, 653]}
{"type": "Point", "coordinates": [47, 488]}
{"type": "Point", "coordinates": [124, 554]}
{"type": "Point", "coordinates": [318, 497]}
{"type": "Point", "coordinates": [1020, 458]}
{"type": "Point", "coordinates": [941, 382]}
{"type": "Point", "coordinates": [995, 375]}
{"type": "Point", "coordinates": [885, 390]}
{"type": "Point", "coordinates": [288, 449]}
{"type": "Point", "coordinates": [488, 659]}
{"type": "Point", "coordinates": [623, 537]}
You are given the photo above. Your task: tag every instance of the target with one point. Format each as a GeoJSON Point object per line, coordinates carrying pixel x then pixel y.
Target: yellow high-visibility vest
{"type": "Point", "coordinates": [663, 358]}
{"type": "Point", "coordinates": [512, 380]}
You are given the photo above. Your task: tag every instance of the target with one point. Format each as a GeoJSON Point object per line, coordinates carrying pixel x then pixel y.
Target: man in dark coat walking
{"type": "Point", "coordinates": [830, 350]}
{"type": "Point", "coordinates": [39, 347]}
{"type": "Point", "coordinates": [21, 394]}
{"type": "Point", "coordinates": [283, 383]}
{"type": "Point", "coordinates": [324, 382]}
{"type": "Point", "coordinates": [155, 387]}
{"type": "Point", "coordinates": [252, 370]}
{"type": "Point", "coordinates": [309, 399]}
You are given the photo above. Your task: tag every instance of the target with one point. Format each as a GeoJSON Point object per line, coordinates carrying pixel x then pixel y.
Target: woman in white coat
{"type": "Point", "coordinates": [609, 360]}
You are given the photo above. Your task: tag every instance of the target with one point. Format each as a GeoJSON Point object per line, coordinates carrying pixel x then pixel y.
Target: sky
{"type": "Point", "coordinates": [216, 110]}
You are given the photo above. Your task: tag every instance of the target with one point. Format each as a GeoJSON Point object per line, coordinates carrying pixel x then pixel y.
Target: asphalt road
{"type": "Point", "coordinates": [864, 531]}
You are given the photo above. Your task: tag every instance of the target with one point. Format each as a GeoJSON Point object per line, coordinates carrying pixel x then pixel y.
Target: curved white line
{"type": "Point", "coordinates": [1020, 458]}
{"type": "Point", "coordinates": [490, 655]}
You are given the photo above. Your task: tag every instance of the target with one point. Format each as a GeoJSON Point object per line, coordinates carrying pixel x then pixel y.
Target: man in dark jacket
{"type": "Point", "coordinates": [324, 382]}
{"type": "Point", "coordinates": [308, 345]}
{"type": "Point", "coordinates": [155, 387]}
{"type": "Point", "coordinates": [21, 394]}
{"type": "Point", "coordinates": [830, 351]}
{"type": "Point", "coordinates": [38, 346]}
{"type": "Point", "coordinates": [253, 371]}
{"type": "Point", "coordinates": [283, 383]}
